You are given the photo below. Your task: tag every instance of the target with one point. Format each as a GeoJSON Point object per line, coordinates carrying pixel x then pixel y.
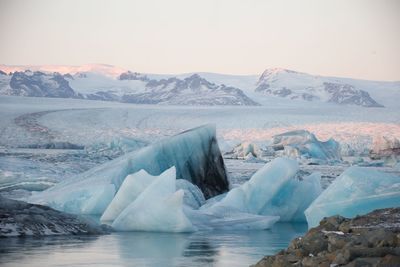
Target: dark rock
{"type": "Point", "coordinates": [313, 243]}
{"type": "Point", "coordinates": [18, 218]}
{"type": "Point", "coordinates": [369, 240]}
{"type": "Point", "coordinates": [336, 242]}
{"type": "Point", "coordinates": [68, 76]}
{"type": "Point", "coordinates": [133, 76]}
{"type": "Point", "coordinates": [312, 261]}
{"type": "Point", "coordinates": [103, 96]}
{"type": "Point", "coordinates": [364, 262]}
{"type": "Point", "coordinates": [332, 223]}
{"type": "Point", "coordinates": [389, 261]}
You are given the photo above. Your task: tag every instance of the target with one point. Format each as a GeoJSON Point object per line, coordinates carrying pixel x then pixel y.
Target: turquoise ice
{"type": "Point", "coordinates": [357, 191]}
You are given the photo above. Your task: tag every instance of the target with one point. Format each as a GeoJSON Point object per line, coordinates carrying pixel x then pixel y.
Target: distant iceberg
{"type": "Point", "coordinates": [303, 144]}
{"type": "Point", "coordinates": [194, 153]}
{"type": "Point", "coordinates": [357, 191]}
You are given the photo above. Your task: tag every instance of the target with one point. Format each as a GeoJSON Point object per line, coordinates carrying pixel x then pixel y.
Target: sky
{"type": "Point", "coordinates": [345, 38]}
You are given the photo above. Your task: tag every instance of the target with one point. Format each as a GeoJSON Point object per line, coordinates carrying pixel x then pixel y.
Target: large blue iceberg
{"type": "Point", "coordinates": [357, 191]}
{"type": "Point", "coordinates": [194, 153]}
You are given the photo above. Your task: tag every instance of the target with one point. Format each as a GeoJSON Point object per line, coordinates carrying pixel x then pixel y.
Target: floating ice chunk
{"type": "Point", "coordinates": [158, 208]}
{"type": "Point", "coordinates": [133, 185]}
{"type": "Point", "coordinates": [294, 198]}
{"type": "Point", "coordinates": [193, 196]}
{"type": "Point", "coordinates": [272, 191]}
{"type": "Point", "coordinates": [301, 143]}
{"type": "Point", "coordinates": [357, 191]}
{"type": "Point", "coordinates": [252, 196]}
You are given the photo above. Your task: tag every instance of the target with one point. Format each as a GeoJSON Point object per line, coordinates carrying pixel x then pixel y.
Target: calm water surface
{"type": "Point", "coordinates": [149, 249]}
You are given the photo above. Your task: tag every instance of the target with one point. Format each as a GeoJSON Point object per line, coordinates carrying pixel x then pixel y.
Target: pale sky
{"type": "Point", "coordinates": [348, 38]}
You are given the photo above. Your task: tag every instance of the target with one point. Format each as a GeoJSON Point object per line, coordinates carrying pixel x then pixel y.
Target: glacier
{"type": "Point", "coordinates": [194, 153]}
{"type": "Point", "coordinates": [274, 190]}
{"type": "Point", "coordinates": [357, 191]}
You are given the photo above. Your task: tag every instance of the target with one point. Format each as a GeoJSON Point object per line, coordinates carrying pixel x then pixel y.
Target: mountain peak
{"type": "Point", "coordinates": [274, 71]}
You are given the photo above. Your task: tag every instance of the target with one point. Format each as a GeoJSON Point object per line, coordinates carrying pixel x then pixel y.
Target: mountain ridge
{"type": "Point", "coordinates": [106, 82]}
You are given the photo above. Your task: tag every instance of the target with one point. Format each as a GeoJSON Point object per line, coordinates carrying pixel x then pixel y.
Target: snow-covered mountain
{"type": "Point", "coordinates": [38, 84]}
{"type": "Point", "coordinates": [296, 85]}
{"type": "Point", "coordinates": [105, 82]}
{"type": "Point", "coordinates": [193, 90]}
{"type": "Point", "coordinates": [128, 87]}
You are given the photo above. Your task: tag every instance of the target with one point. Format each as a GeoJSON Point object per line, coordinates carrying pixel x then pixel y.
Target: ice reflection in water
{"type": "Point", "coordinates": [240, 248]}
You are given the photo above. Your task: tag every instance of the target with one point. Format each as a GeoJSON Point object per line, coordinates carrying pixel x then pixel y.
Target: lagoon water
{"type": "Point", "coordinates": [239, 248]}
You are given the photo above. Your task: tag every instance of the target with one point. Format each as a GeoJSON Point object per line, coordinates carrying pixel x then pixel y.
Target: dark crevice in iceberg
{"type": "Point", "coordinates": [194, 153]}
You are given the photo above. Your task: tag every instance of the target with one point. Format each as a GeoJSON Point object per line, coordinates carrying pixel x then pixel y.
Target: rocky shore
{"type": "Point", "coordinates": [18, 218]}
{"type": "Point", "coordinates": [369, 240]}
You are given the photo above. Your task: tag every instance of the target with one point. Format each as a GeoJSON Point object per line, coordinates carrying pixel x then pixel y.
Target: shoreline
{"type": "Point", "coordinates": [368, 240]}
